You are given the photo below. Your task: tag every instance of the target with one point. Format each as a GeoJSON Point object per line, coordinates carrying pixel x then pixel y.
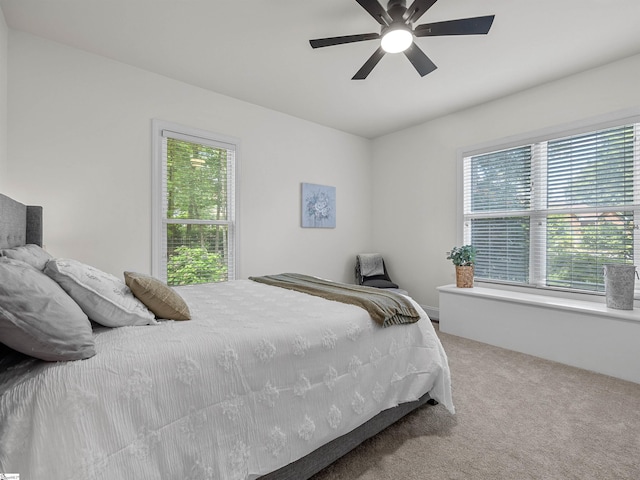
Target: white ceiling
{"type": "Point", "coordinates": [258, 50]}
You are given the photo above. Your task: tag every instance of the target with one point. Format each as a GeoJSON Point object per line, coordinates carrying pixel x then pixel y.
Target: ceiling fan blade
{"type": "Point", "coordinates": [463, 26]}
{"type": "Point", "coordinates": [327, 42]}
{"type": "Point", "coordinates": [369, 64]}
{"type": "Point", "coordinates": [417, 9]}
{"type": "Point", "coordinates": [376, 11]}
{"type": "Point", "coordinates": [420, 61]}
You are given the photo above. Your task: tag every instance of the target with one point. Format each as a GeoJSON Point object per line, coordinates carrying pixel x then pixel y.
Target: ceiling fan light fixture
{"type": "Point", "coordinates": [396, 40]}
{"type": "Point", "coordinates": [397, 32]}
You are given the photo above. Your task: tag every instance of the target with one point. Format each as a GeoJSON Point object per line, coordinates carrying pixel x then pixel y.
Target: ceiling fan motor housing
{"type": "Point", "coordinates": [397, 10]}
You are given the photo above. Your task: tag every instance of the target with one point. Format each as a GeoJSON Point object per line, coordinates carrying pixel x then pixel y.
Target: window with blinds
{"type": "Point", "coordinates": [554, 212]}
{"type": "Point", "coordinates": [195, 225]}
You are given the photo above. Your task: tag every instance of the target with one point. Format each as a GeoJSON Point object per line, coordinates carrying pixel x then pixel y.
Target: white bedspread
{"type": "Point", "coordinates": [258, 378]}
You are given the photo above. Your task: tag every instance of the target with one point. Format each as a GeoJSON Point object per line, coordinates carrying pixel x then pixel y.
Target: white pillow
{"type": "Point", "coordinates": [38, 318]}
{"type": "Point", "coordinates": [31, 253]}
{"type": "Point", "coordinates": [102, 296]}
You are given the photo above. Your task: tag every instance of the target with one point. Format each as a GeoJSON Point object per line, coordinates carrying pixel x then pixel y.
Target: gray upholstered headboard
{"type": "Point", "coordinates": [19, 224]}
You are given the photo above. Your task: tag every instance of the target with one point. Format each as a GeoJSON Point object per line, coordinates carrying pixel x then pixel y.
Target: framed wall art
{"type": "Point", "coordinates": [318, 206]}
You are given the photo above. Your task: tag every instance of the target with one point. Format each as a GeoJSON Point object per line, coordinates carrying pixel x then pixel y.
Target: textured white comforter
{"type": "Point", "coordinates": [258, 378]}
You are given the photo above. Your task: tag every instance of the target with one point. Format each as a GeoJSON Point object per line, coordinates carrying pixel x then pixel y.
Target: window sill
{"type": "Point", "coordinates": [547, 301]}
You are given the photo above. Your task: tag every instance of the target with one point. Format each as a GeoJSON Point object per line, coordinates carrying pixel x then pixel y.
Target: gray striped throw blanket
{"type": "Point", "coordinates": [386, 308]}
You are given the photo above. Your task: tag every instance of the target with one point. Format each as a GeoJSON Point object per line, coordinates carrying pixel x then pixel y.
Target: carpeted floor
{"type": "Point", "coordinates": [518, 417]}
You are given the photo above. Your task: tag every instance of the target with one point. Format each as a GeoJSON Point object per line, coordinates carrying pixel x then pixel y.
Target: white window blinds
{"type": "Point", "coordinates": [590, 198]}
{"type": "Point", "coordinates": [498, 209]}
{"type": "Point", "coordinates": [554, 212]}
{"type": "Point", "coordinates": [195, 230]}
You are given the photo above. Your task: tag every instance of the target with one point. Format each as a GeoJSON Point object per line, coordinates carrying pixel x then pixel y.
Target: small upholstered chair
{"type": "Point", "coordinates": [371, 271]}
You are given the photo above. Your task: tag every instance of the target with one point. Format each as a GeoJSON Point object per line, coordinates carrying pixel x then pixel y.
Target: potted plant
{"type": "Point", "coordinates": [464, 259]}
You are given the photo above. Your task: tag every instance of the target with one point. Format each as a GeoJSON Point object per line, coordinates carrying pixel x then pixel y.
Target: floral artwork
{"type": "Point", "coordinates": [318, 206]}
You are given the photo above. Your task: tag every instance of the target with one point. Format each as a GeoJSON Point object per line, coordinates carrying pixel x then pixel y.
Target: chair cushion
{"type": "Point", "coordinates": [379, 283]}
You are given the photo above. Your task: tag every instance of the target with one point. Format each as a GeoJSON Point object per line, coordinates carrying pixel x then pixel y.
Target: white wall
{"type": "Point", "coordinates": [4, 39]}
{"type": "Point", "coordinates": [414, 170]}
{"type": "Point", "coordinates": [80, 145]}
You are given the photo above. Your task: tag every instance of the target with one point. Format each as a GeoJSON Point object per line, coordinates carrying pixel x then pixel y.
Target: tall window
{"type": "Point", "coordinates": [552, 213]}
{"type": "Point", "coordinates": [194, 206]}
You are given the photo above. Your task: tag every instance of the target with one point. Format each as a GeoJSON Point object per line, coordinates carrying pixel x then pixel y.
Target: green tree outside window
{"type": "Point", "coordinates": [196, 183]}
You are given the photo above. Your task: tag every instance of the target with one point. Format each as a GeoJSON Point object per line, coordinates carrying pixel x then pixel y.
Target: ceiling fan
{"type": "Point", "coordinates": [397, 33]}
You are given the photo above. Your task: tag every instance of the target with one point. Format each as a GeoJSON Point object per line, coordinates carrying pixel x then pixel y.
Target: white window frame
{"type": "Point", "coordinates": [537, 267]}
{"type": "Point", "coordinates": [160, 129]}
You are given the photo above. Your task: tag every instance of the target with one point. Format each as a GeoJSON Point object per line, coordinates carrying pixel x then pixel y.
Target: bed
{"type": "Point", "coordinates": [261, 382]}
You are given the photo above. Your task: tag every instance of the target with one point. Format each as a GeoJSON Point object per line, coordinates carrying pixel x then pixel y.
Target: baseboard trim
{"type": "Point", "coordinates": [433, 312]}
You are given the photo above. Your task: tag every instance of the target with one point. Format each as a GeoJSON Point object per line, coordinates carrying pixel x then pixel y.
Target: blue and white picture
{"type": "Point", "coordinates": [318, 206]}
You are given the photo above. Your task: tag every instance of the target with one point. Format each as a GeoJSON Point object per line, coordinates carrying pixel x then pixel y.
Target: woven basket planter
{"type": "Point", "coordinates": [464, 276]}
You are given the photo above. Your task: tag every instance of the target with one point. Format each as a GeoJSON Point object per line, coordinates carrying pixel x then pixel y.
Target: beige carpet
{"type": "Point", "coordinates": [518, 417]}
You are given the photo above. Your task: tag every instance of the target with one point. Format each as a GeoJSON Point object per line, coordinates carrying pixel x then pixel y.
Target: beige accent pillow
{"type": "Point", "coordinates": [158, 297]}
